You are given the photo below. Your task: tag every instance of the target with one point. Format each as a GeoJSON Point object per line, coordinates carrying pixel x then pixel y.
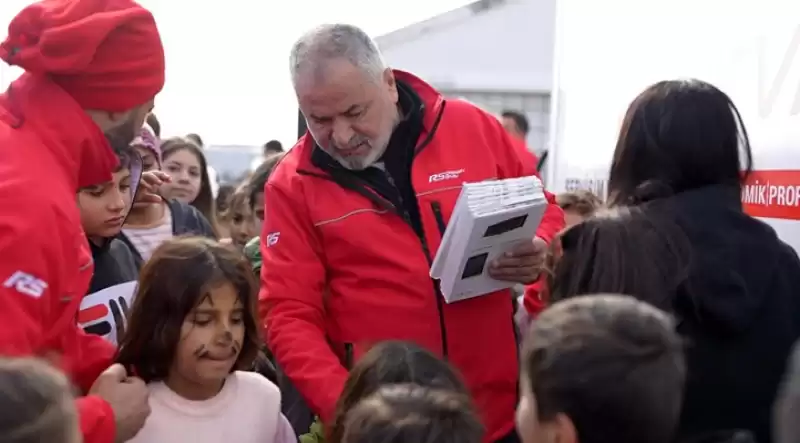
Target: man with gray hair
{"type": "Point", "coordinates": [356, 212]}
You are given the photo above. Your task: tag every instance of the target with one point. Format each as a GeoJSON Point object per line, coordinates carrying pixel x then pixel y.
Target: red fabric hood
{"type": "Point", "coordinates": [37, 103]}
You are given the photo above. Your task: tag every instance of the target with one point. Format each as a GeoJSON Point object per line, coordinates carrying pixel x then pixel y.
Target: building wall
{"type": "Point", "coordinates": [501, 45]}
{"type": "Point", "coordinates": [535, 106]}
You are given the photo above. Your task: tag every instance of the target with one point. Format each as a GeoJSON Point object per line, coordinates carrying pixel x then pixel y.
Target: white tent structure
{"type": "Point", "coordinates": [497, 54]}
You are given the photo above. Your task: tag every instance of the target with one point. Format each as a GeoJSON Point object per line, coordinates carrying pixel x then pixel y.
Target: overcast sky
{"type": "Point", "coordinates": [227, 66]}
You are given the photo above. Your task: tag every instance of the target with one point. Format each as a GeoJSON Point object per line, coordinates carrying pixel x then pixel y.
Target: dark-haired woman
{"type": "Point", "coordinates": [682, 155]}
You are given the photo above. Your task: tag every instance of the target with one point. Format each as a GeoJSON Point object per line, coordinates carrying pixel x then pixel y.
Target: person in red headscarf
{"type": "Point", "coordinates": [92, 70]}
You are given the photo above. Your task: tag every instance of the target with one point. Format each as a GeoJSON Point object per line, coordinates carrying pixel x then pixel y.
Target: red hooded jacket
{"type": "Point", "coordinates": [341, 273]}
{"type": "Point", "coordinates": [50, 148]}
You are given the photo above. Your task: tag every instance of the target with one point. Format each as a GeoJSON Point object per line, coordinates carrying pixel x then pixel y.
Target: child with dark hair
{"type": "Point", "coordinates": [150, 224]}
{"type": "Point", "coordinates": [577, 206]}
{"type": "Point", "coordinates": [221, 203]}
{"type": "Point", "coordinates": [193, 332]}
{"type": "Point", "coordinates": [255, 197]}
{"type": "Point", "coordinates": [185, 161]}
{"type": "Point", "coordinates": [387, 363]}
{"type": "Point", "coordinates": [642, 252]}
{"type": "Point", "coordinates": [621, 251]}
{"type": "Point", "coordinates": [601, 368]}
{"type": "Point", "coordinates": [37, 404]}
{"type": "Point", "coordinates": [408, 413]}
{"type": "Point", "coordinates": [223, 199]}
{"type": "Point", "coordinates": [239, 218]}
{"type": "Point", "coordinates": [103, 208]}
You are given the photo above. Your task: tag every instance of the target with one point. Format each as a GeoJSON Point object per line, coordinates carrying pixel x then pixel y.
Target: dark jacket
{"type": "Point", "coordinates": [105, 307]}
{"type": "Point", "coordinates": [739, 310]}
{"type": "Point", "coordinates": [723, 437]}
{"type": "Point", "coordinates": [186, 220]}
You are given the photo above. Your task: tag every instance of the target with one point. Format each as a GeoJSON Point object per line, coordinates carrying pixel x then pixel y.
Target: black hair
{"type": "Point", "coordinates": [204, 202]}
{"type": "Point", "coordinates": [37, 403]}
{"type": "Point", "coordinates": [154, 124]}
{"type": "Point", "coordinates": [392, 362]}
{"type": "Point", "coordinates": [408, 413]}
{"type": "Point", "coordinates": [613, 365]}
{"type": "Point", "coordinates": [677, 136]}
{"type": "Point", "coordinates": [273, 147]}
{"type": "Point", "coordinates": [519, 119]}
{"type": "Point", "coordinates": [255, 185]}
{"type": "Point", "coordinates": [622, 250]}
{"type": "Point", "coordinates": [196, 138]}
{"type": "Point", "coordinates": [173, 282]}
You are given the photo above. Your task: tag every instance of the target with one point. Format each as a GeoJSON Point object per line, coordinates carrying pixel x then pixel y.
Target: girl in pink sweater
{"type": "Point", "coordinates": [192, 334]}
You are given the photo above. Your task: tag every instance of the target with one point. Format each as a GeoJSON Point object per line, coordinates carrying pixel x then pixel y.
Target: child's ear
{"type": "Point", "coordinates": [562, 430]}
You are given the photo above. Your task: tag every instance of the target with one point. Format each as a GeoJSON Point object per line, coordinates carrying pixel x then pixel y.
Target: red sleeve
{"type": "Point", "coordinates": [30, 273]}
{"type": "Point", "coordinates": [96, 420]}
{"type": "Point", "coordinates": [291, 301]}
{"type": "Point", "coordinates": [32, 269]}
{"type": "Point", "coordinates": [94, 355]}
{"type": "Point", "coordinates": [535, 298]}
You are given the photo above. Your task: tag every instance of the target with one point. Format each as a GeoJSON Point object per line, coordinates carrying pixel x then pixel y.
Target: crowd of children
{"type": "Point", "coordinates": [595, 368]}
{"type": "Point", "coordinates": [665, 314]}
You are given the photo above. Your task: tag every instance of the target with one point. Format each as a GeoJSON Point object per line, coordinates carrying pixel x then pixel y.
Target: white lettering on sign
{"type": "Point", "coordinates": [766, 194]}
{"type": "Point", "coordinates": [597, 186]}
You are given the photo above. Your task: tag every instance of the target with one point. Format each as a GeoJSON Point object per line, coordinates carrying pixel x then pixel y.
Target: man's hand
{"type": "Point", "coordinates": [523, 264]}
{"type": "Point", "coordinates": [127, 397]}
{"type": "Point", "coordinates": [148, 186]}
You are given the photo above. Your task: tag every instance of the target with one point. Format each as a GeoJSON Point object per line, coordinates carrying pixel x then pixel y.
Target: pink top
{"type": "Point", "coordinates": [246, 410]}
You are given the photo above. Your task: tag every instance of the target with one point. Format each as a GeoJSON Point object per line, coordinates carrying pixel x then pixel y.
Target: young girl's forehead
{"type": "Point", "coordinates": [218, 294]}
{"type": "Point", "coordinates": [121, 174]}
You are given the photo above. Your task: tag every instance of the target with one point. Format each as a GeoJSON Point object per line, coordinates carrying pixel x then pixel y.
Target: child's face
{"type": "Point", "coordinates": [258, 211]}
{"type": "Point", "coordinates": [242, 226]}
{"type": "Point", "coordinates": [103, 207]}
{"type": "Point", "coordinates": [186, 172]}
{"type": "Point", "coordinates": [531, 429]}
{"type": "Point", "coordinates": [211, 339]}
{"type": "Point", "coordinates": [149, 163]}
{"type": "Point", "coordinates": [149, 160]}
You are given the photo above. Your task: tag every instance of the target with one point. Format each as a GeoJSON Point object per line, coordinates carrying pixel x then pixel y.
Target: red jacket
{"type": "Point", "coordinates": [50, 147]}
{"type": "Point", "coordinates": [341, 273]}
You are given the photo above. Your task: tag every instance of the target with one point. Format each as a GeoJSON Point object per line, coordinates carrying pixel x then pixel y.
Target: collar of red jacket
{"type": "Point", "coordinates": [35, 103]}
{"type": "Point", "coordinates": [431, 99]}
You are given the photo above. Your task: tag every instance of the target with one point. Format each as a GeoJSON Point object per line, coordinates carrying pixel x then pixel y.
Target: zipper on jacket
{"type": "Point", "coordinates": [348, 356]}
{"type": "Point", "coordinates": [518, 338]}
{"type": "Point", "coordinates": [437, 292]}
{"type": "Point", "coordinates": [436, 207]}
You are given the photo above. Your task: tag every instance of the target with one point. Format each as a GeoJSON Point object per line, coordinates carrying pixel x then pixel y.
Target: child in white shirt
{"type": "Point", "coordinates": [191, 332]}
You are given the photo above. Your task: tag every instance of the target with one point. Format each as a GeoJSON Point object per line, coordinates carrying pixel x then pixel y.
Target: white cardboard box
{"type": "Point", "coordinates": [489, 219]}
